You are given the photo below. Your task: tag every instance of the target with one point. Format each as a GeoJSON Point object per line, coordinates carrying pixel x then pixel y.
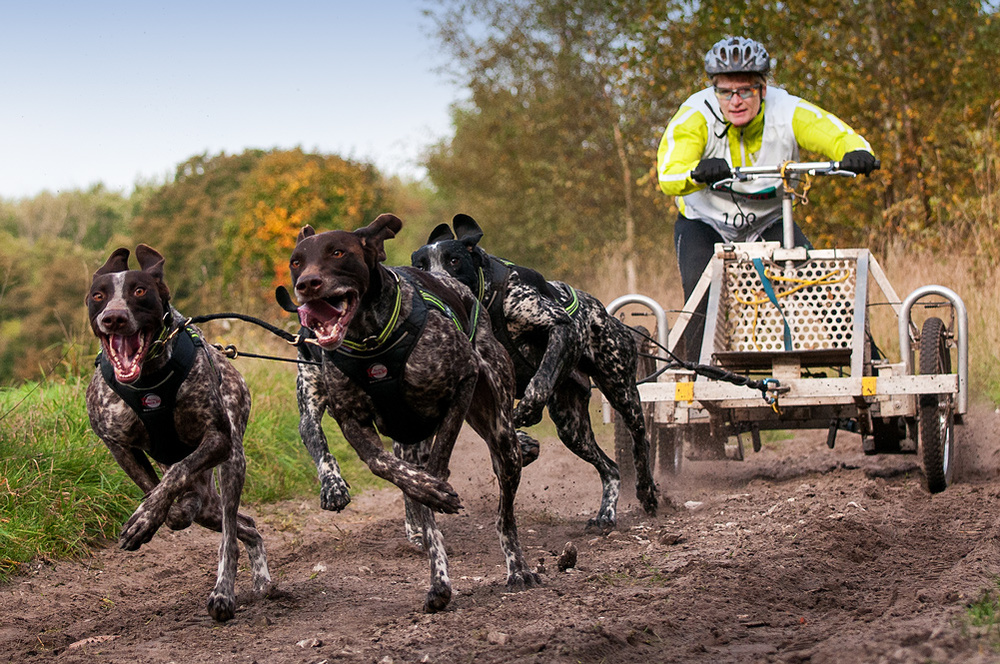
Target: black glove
{"type": "Point", "coordinates": [861, 162]}
{"type": "Point", "coordinates": [709, 171]}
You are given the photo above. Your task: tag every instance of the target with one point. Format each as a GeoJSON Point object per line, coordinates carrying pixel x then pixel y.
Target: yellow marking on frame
{"type": "Point", "coordinates": [684, 392]}
{"type": "Point", "coordinates": [868, 386]}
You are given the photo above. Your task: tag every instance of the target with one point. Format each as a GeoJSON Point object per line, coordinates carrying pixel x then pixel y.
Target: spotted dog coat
{"type": "Point", "coordinates": [555, 352]}
{"type": "Point", "coordinates": [128, 310]}
{"type": "Point", "coordinates": [347, 294]}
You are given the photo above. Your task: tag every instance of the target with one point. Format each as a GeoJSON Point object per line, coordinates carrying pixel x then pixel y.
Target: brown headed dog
{"type": "Point", "coordinates": [410, 355]}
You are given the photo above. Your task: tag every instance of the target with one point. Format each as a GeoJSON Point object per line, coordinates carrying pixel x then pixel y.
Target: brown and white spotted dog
{"type": "Point", "coordinates": [397, 359]}
{"type": "Point", "coordinates": [558, 338]}
{"type": "Point", "coordinates": [189, 410]}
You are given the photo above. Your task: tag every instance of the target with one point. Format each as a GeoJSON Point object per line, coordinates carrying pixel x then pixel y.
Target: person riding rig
{"type": "Point", "coordinates": [740, 121]}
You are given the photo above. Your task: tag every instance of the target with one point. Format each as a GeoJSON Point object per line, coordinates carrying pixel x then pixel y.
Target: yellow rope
{"type": "Point", "coordinates": [825, 280]}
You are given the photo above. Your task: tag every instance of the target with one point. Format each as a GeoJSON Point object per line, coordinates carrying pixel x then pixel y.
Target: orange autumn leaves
{"type": "Point", "coordinates": [286, 191]}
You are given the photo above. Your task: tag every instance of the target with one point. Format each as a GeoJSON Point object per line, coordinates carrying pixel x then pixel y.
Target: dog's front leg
{"type": "Point", "coordinates": [491, 418]}
{"type": "Point", "coordinates": [420, 520]}
{"type": "Point", "coordinates": [418, 484]}
{"type": "Point", "coordinates": [214, 448]}
{"type": "Point", "coordinates": [562, 352]}
{"type": "Point", "coordinates": [136, 465]}
{"type": "Point", "coordinates": [334, 491]}
{"type": "Point", "coordinates": [447, 432]}
{"type": "Point", "coordinates": [414, 532]}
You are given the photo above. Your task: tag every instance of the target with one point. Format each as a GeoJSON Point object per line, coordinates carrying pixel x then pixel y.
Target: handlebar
{"type": "Point", "coordinates": [743, 173]}
{"type": "Point", "coordinates": [801, 167]}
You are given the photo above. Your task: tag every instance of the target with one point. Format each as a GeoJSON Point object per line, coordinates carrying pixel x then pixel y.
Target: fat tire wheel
{"type": "Point", "coordinates": [936, 416]}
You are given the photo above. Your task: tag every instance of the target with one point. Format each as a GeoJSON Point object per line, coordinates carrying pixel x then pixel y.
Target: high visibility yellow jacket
{"type": "Point", "coordinates": [698, 131]}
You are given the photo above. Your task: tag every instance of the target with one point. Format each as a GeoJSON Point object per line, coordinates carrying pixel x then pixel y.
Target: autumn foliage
{"type": "Point", "coordinates": [286, 191]}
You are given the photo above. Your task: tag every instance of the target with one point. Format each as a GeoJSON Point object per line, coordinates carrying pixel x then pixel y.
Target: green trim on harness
{"type": "Point", "coordinates": [433, 300]}
{"type": "Point", "coordinates": [572, 304]}
{"type": "Point", "coordinates": [769, 291]}
{"type": "Point", "coordinates": [372, 343]}
{"type": "Point", "coordinates": [153, 397]}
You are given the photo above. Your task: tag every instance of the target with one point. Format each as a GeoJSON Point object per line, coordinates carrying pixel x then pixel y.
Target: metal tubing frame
{"type": "Point", "coordinates": [662, 327]}
{"type": "Point", "coordinates": [662, 333]}
{"type": "Point", "coordinates": [962, 333]}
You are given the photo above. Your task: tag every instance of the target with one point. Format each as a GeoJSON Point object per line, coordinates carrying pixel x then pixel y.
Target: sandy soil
{"type": "Point", "coordinates": [797, 554]}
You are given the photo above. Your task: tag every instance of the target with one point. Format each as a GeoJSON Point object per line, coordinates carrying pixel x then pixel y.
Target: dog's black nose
{"type": "Point", "coordinates": [114, 320]}
{"type": "Point", "coordinates": [308, 285]}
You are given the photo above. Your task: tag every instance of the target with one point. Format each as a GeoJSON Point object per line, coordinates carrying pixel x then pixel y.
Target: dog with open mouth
{"type": "Point", "coordinates": [408, 355]}
{"type": "Point", "coordinates": [162, 396]}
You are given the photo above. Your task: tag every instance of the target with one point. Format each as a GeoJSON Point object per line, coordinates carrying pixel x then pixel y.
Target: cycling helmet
{"type": "Point", "coordinates": [737, 55]}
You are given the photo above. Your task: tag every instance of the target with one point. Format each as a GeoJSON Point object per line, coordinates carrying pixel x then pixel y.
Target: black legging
{"type": "Point", "coordinates": [694, 242]}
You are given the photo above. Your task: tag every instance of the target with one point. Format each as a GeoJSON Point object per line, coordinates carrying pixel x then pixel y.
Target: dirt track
{"type": "Point", "coordinates": [798, 554]}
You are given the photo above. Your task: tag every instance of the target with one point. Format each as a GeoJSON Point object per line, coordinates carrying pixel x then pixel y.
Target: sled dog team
{"type": "Point", "coordinates": [413, 353]}
{"type": "Point", "coordinates": [409, 353]}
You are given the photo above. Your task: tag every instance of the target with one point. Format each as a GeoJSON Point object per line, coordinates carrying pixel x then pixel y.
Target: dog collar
{"type": "Point", "coordinates": [568, 299]}
{"type": "Point", "coordinates": [482, 285]}
{"type": "Point", "coordinates": [375, 341]}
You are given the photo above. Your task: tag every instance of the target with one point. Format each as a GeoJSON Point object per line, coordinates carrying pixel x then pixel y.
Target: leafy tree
{"type": "Point", "coordinates": [87, 218]}
{"type": "Point", "coordinates": [184, 221]}
{"type": "Point", "coordinates": [284, 192]}
{"type": "Point", "coordinates": [37, 339]}
{"type": "Point", "coordinates": [543, 154]}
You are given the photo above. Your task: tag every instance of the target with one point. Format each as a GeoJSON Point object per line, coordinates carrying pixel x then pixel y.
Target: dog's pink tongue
{"type": "Point", "coordinates": [324, 319]}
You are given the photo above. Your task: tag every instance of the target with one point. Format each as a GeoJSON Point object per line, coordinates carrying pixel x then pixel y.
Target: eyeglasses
{"type": "Point", "coordinates": [744, 93]}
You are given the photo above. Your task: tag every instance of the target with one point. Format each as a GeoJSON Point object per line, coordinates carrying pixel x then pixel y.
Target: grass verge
{"type": "Point", "coordinates": [61, 492]}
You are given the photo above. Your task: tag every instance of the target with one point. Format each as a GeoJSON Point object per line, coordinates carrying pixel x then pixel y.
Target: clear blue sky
{"type": "Point", "coordinates": [114, 91]}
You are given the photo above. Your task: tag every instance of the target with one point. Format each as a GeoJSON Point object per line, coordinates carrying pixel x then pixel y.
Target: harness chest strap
{"type": "Point", "coordinates": [153, 397]}
{"type": "Point", "coordinates": [379, 371]}
{"type": "Point", "coordinates": [500, 273]}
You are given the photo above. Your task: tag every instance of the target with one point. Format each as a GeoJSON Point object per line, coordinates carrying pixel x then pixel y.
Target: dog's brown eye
{"type": "Point", "coordinates": [337, 253]}
{"type": "Point", "coordinates": [295, 264]}
{"type": "Point", "coordinates": [97, 297]}
{"type": "Point", "coordinates": [140, 291]}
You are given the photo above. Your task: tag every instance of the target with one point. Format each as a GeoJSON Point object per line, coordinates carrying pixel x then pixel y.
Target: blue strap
{"type": "Point", "coordinates": [769, 291]}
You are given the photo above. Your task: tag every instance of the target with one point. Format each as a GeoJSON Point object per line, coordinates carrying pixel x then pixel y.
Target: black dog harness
{"type": "Point", "coordinates": [154, 397]}
{"type": "Point", "coordinates": [378, 364]}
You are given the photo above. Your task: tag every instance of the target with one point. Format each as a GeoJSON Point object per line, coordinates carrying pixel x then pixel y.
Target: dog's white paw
{"type": "Point", "coordinates": [437, 599]}
{"type": "Point", "coordinates": [523, 579]}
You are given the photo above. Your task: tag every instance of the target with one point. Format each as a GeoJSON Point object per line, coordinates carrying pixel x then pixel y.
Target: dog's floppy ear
{"type": "Point", "coordinates": [151, 262]}
{"type": "Point", "coordinates": [374, 235]}
{"type": "Point", "coordinates": [307, 231]}
{"type": "Point", "coordinates": [118, 262]}
{"type": "Point", "coordinates": [467, 230]}
{"type": "Point", "coordinates": [440, 232]}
